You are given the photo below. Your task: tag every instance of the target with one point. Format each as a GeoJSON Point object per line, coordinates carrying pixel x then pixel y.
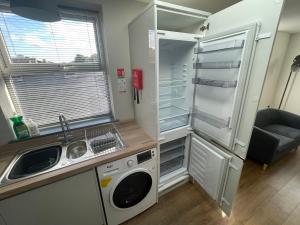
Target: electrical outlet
{"type": "Point", "coordinates": [122, 84]}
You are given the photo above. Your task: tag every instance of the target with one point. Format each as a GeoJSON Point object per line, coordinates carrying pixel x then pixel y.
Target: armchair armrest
{"type": "Point", "coordinates": [290, 119]}
{"type": "Point", "coordinates": [262, 145]}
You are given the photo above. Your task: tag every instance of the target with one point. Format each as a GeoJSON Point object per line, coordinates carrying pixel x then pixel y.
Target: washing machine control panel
{"type": "Point", "coordinates": [144, 156]}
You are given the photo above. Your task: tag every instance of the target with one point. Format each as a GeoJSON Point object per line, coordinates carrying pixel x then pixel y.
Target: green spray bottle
{"type": "Point", "coordinates": [20, 128]}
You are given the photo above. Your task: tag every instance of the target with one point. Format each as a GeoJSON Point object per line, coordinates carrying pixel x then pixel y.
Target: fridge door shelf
{"type": "Point", "coordinates": [171, 166]}
{"type": "Point", "coordinates": [217, 65]}
{"type": "Point", "coordinates": [211, 119]}
{"type": "Point", "coordinates": [215, 83]}
{"type": "Point", "coordinates": [224, 46]}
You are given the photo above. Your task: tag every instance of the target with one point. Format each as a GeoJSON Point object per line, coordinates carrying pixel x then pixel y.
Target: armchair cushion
{"type": "Point", "coordinates": [284, 142]}
{"type": "Point", "coordinates": [283, 130]}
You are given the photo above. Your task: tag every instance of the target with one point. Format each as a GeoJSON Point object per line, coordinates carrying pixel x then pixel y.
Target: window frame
{"type": "Point", "coordinates": [7, 67]}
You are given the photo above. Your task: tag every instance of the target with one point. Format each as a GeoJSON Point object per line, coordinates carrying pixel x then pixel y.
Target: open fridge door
{"type": "Point", "coordinates": [230, 72]}
{"type": "Point", "coordinates": [222, 67]}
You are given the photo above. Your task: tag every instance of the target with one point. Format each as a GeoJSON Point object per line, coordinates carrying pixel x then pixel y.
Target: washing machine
{"type": "Point", "coordinates": [129, 186]}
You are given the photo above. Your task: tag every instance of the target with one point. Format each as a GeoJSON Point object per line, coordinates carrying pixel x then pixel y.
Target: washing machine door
{"type": "Point", "coordinates": [131, 189]}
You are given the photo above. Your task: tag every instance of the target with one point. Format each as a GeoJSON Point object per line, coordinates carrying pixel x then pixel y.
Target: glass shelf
{"type": "Point", "coordinates": [172, 117]}
{"type": "Point", "coordinates": [172, 83]}
{"type": "Point", "coordinates": [170, 99]}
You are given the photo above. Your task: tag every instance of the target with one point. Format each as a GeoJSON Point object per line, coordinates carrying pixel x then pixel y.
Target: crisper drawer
{"type": "Point", "coordinates": [172, 156]}
{"type": "Point", "coordinates": [173, 117]}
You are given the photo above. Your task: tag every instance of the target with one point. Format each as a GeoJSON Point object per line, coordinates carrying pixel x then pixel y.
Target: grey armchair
{"type": "Point", "coordinates": [275, 133]}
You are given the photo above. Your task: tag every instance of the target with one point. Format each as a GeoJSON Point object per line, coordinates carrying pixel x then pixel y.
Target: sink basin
{"type": "Point", "coordinates": [47, 158]}
{"type": "Point", "coordinates": [76, 149]}
{"type": "Point", "coordinates": [34, 162]}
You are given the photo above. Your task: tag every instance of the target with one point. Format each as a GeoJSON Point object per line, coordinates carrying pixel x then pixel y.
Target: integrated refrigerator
{"type": "Point", "coordinates": [203, 76]}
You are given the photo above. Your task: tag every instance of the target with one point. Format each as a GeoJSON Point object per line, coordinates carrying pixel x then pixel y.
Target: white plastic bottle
{"type": "Point", "coordinates": [33, 128]}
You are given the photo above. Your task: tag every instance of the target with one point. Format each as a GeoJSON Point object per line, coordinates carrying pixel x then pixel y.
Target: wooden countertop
{"type": "Point", "coordinates": [135, 139]}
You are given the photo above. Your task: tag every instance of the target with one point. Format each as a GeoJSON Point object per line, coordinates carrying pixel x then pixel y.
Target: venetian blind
{"type": "Point", "coordinates": [53, 68]}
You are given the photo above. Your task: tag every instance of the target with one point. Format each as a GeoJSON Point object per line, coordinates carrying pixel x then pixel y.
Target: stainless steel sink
{"type": "Point", "coordinates": [36, 161]}
{"type": "Point", "coordinates": [76, 149]}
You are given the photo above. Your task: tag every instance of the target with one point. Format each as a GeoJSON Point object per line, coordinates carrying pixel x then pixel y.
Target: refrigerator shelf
{"type": "Point", "coordinates": [211, 119]}
{"type": "Point", "coordinates": [171, 81]}
{"type": "Point", "coordinates": [225, 46]}
{"type": "Point", "coordinates": [171, 112]}
{"type": "Point", "coordinates": [172, 86]}
{"type": "Point", "coordinates": [172, 117]}
{"type": "Point", "coordinates": [217, 65]}
{"type": "Point", "coordinates": [215, 83]}
{"type": "Point", "coordinates": [171, 99]}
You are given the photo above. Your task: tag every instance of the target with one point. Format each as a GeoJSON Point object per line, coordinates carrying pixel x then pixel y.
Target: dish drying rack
{"type": "Point", "coordinates": [104, 140]}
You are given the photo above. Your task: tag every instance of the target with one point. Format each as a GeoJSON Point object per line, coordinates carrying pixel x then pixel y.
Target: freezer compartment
{"type": "Point", "coordinates": [171, 166]}
{"type": "Point", "coordinates": [172, 156]}
{"type": "Point", "coordinates": [172, 117]}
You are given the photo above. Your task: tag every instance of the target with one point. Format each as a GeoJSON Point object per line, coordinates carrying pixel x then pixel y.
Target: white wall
{"type": "Point", "coordinates": [116, 16]}
{"type": "Point", "coordinates": [274, 70]}
{"type": "Point", "coordinates": [292, 100]}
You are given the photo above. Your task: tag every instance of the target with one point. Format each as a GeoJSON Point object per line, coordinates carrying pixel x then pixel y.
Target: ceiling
{"type": "Point", "coordinates": [290, 18]}
{"type": "Point", "coordinates": [205, 5]}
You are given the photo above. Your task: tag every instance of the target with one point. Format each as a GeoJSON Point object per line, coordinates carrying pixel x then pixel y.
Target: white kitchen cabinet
{"type": "Point", "coordinates": [203, 76]}
{"type": "Point", "coordinates": [73, 201]}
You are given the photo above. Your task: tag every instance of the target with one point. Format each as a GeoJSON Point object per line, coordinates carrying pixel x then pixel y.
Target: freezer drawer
{"type": "Point", "coordinates": [172, 156]}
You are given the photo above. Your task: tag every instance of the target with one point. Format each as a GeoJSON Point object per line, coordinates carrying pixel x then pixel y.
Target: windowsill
{"type": "Point", "coordinates": [73, 126]}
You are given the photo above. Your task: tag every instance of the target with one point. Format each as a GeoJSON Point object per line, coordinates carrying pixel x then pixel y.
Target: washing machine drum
{"type": "Point", "coordinates": [132, 190]}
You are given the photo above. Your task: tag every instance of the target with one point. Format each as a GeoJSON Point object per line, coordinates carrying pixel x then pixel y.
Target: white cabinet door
{"type": "Point", "coordinates": [72, 201]}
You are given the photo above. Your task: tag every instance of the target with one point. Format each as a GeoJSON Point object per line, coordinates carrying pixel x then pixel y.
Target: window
{"type": "Point", "coordinates": [52, 68]}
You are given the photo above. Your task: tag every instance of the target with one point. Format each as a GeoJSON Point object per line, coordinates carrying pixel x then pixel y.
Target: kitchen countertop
{"type": "Point", "coordinates": [135, 139]}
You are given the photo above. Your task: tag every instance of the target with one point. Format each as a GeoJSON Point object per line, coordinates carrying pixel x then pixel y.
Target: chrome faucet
{"type": "Point", "coordinates": [65, 128]}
